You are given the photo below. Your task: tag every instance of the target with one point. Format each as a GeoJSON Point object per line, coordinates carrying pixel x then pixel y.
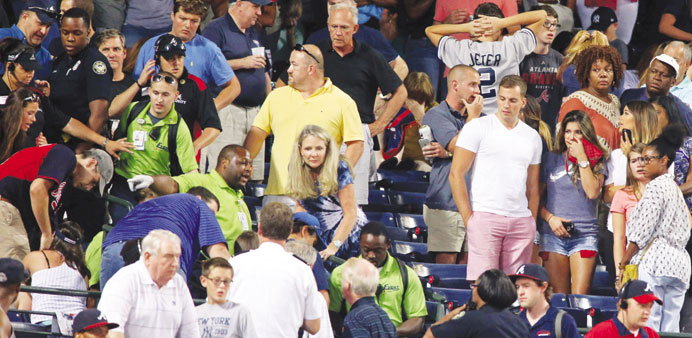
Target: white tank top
{"type": "Point", "coordinates": [62, 277]}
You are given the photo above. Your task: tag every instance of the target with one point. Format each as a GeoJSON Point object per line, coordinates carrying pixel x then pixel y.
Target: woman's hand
{"type": "Point", "coordinates": [625, 145]}
{"type": "Point", "coordinates": [41, 140]}
{"type": "Point", "coordinates": [576, 149]}
{"type": "Point", "coordinates": [558, 228]}
{"type": "Point", "coordinates": [329, 251]}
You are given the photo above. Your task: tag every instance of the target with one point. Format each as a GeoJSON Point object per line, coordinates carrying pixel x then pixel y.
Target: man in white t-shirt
{"type": "Point", "coordinates": [150, 298]}
{"type": "Point", "coordinates": [279, 289]}
{"type": "Point", "coordinates": [491, 57]}
{"type": "Point", "coordinates": [220, 317]}
{"type": "Point", "coordinates": [503, 155]}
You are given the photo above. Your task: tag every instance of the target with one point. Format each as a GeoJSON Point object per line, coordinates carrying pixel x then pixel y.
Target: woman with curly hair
{"type": "Point", "coordinates": [598, 70]}
{"type": "Point", "coordinates": [322, 184]}
{"type": "Point", "coordinates": [571, 181]}
{"type": "Point", "coordinates": [581, 41]}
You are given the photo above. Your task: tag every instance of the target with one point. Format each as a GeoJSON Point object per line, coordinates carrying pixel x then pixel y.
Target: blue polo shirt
{"type": "Point", "coordinates": [366, 319]}
{"type": "Point", "coordinates": [202, 59]}
{"type": "Point", "coordinates": [369, 36]}
{"type": "Point", "coordinates": [639, 94]}
{"type": "Point", "coordinates": [445, 123]}
{"type": "Point", "coordinates": [235, 44]}
{"type": "Point", "coordinates": [182, 214]}
{"type": "Point", "coordinates": [42, 55]}
{"type": "Point", "coordinates": [545, 327]}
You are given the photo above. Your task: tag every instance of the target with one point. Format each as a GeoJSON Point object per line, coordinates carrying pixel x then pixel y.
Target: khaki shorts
{"type": "Point", "coordinates": [14, 242]}
{"type": "Point", "coordinates": [446, 230]}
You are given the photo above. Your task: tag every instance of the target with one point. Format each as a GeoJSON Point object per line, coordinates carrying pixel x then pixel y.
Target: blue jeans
{"type": "Point", "coordinates": [671, 290]}
{"type": "Point", "coordinates": [111, 262]}
{"type": "Point", "coordinates": [585, 238]}
{"type": "Point", "coordinates": [421, 56]}
{"type": "Point", "coordinates": [134, 33]}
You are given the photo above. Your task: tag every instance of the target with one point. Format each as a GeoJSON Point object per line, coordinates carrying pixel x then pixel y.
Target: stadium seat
{"type": "Point", "coordinates": [385, 217]}
{"type": "Point", "coordinates": [559, 300]}
{"type": "Point", "coordinates": [453, 298]}
{"type": "Point", "coordinates": [410, 186]}
{"type": "Point", "coordinates": [451, 276]}
{"type": "Point", "coordinates": [378, 201]}
{"type": "Point", "coordinates": [400, 175]}
{"type": "Point", "coordinates": [601, 284]}
{"type": "Point", "coordinates": [435, 311]}
{"type": "Point", "coordinates": [415, 224]}
{"type": "Point", "coordinates": [586, 302]}
{"type": "Point", "coordinates": [18, 317]}
{"type": "Point", "coordinates": [398, 234]}
{"type": "Point", "coordinates": [579, 315]}
{"type": "Point", "coordinates": [410, 202]}
{"type": "Point", "coordinates": [410, 252]}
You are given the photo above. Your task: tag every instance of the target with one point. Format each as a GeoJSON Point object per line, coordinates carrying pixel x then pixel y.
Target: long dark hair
{"type": "Point", "coordinates": [668, 104]}
{"type": "Point", "coordinates": [589, 133]}
{"type": "Point", "coordinates": [11, 134]}
{"type": "Point", "coordinates": [71, 246]}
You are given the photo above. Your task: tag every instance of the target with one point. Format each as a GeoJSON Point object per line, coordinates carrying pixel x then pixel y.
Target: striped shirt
{"type": "Point", "coordinates": [367, 320]}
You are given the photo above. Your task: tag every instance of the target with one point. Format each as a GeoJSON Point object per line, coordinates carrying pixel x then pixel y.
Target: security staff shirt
{"type": "Point", "coordinates": [545, 327]}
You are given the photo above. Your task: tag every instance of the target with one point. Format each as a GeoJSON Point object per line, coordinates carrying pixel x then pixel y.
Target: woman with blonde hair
{"type": "Point", "coordinates": [625, 200]}
{"type": "Point", "coordinates": [322, 184]}
{"type": "Point", "coordinates": [571, 181]}
{"type": "Point", "coordinates": [581, 41]}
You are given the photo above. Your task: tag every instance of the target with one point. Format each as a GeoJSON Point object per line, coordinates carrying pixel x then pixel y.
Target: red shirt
{"type": "Point", "coordinates": [615, 328]}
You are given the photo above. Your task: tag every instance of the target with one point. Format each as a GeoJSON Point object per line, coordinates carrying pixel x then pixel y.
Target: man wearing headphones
{"type": "Point", "coordinates": [194, 103]}
{"type": "Point", "coordinates": [636, 300]}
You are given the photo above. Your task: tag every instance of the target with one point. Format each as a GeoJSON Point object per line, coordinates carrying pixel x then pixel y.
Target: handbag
{"type": "Point", "coordinates": [632, 270]}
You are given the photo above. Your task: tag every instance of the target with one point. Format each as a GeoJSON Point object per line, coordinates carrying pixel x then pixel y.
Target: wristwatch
{"type": "Point", "coordinates": [337, 243]}
{"type": "Point", "coordinates": [583, 164]}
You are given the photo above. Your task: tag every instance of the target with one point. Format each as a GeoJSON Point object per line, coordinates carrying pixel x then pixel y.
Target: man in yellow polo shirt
{"type": "Point", "coordinates": [309, 98]}
{"type": "Point", "coordinates": [226, 181]}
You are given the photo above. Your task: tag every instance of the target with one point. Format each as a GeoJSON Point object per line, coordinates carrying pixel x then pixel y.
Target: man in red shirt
{"type": "Point", "coordinates": [636, 300]}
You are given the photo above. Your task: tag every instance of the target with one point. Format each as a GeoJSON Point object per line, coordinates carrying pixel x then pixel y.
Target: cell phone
{"type": "Point", "coordinates": [569, 227]}
{"type": "Point", "coordinates": [627, 135]}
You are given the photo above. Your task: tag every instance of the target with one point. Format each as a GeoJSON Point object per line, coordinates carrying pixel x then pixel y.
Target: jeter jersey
{"type": "Point", "coordinates": [493, 60]}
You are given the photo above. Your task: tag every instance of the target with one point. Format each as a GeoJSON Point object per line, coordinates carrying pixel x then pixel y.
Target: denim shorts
{"type": "Point", "coordinates": [581, 240]}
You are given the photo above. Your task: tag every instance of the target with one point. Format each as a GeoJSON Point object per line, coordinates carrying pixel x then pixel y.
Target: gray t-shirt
{"type": "Point", "coordinates": [228, 320]}
{"type": "Point", "coordinates": [621, 46]}
{"type": "Point", "coordinates": [149, 14]}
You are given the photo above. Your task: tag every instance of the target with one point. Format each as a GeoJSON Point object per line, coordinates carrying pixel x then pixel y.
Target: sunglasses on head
{"type": "Point", "coordinates": [31, 98]}
{"type": "Point", "coordinates": [301, 48]}
{"type": "Point", "coordinates": [168, 79]}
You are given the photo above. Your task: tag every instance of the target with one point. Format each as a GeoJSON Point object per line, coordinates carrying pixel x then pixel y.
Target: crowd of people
{"type": "Point", "coordinates": [561, 141]}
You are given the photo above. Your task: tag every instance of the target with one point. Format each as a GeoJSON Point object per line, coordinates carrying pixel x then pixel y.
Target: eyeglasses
{"type": "Point", "coordinates": [473, 286]}
{"type": "Point", "coordinates": [220, 282]}
{"type": "Point", "coordinates": [301, 48]}
{"type": "Point", "coordinates": [31, 98]}
{"type": "Point", "coordinates": [168, 79]}
{"type": "Point", "coordinates": [648, 159]}
{"type": "Point", "coordinates": [551, 25]}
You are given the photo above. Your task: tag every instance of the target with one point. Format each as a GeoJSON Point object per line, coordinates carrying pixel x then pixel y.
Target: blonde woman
{"type": "Point", "coordinates": [322, 185]}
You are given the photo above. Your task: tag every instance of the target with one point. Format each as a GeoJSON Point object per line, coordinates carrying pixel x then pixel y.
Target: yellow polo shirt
{"type": "Point", "coordinates": [285, 113]}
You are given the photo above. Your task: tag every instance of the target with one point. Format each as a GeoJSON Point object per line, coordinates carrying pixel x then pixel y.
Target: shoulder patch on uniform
{"type": "Point", "coordinates": [99, 67]}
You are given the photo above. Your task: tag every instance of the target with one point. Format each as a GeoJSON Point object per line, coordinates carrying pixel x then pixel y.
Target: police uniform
{"type": "Point", "coordinates": [77, 80]}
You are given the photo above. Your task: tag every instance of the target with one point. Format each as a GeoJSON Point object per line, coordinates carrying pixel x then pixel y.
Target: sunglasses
{"type": "Point", "coordinates": [301, 48]}
{"type": "Point", "coordinates": [31, 98]}
{"type": "Point", "coordinates": [168, 79]}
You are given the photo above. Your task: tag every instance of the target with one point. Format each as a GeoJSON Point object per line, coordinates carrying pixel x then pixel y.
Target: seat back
{"type": "Point", "coordinates": [586, 302]}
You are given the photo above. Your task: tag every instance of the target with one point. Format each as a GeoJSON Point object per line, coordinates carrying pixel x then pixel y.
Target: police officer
{"type": "Point", "coordinates": [195, 103]}
{"type": "Point", "coordinates": [21, 64]}
{"type": "Point", "coordinates": [81, 77]}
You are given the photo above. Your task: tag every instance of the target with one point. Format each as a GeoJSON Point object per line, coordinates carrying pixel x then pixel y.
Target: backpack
{"type": "Point", "coordinates": [558, 323]}
{"type": "Point", "coordinates": [131, 115]}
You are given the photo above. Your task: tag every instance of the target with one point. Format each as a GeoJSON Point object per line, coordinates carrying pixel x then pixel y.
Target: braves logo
{"type": "Point", "coordinates": [521, 270]}
{"type": "Point", "coordinates": [544, 97]}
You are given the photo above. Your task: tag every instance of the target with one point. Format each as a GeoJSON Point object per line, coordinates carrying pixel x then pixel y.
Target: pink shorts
{"type": "Point", "coordinates": [498, 242]}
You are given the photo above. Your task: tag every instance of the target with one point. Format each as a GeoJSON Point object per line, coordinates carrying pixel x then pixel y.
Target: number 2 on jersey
{"type": "Point", "coordinates": [487, 82]}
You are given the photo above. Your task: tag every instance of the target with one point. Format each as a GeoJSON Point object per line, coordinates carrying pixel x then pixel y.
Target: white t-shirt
{"type": "Point", "coordinates": [325, 324]}
{"type": "Point", "coordinates": [499, 172]}
{"type": "Point", "coordinates": [143, 310]}
{"type": "Point", "coordinates": [493, 60]}
{"type": "Point", "coordinates": [228, 320]}
{"type": "Point", "coordinates": [279, 290]}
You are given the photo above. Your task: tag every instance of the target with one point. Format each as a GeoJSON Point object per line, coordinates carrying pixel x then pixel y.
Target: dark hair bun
{"type": "Point", "coordinates": [674, 135]}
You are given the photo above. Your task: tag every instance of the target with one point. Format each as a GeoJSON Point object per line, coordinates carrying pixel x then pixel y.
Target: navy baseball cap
{"type": "Point", "coordinates": [602, 18]}
{"type": "Point", "coordinates": [90, 319]}
{"type": "Point", "coordinates": [46, 10]}
{"type": "Point", "coordinates": [168, 45]}
{"type": "Point", "coordinates": [313, 223]}
{"type": "Point", "coordinates": [25, 57]}
{"type": "Point", "coordinates": [12, 271]}
{"type": "Point", "coordinates": [531, 271]}
{"type": "Point", "coordinates": [640, 291]}
{"type": "Point", "coordinates": [261, 2]}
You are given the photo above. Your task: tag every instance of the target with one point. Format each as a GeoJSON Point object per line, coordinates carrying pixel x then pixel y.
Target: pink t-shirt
{"type": "Point", "coordinates": [623, 203]}
{"type": "Point", "coordinates": [445, 7]}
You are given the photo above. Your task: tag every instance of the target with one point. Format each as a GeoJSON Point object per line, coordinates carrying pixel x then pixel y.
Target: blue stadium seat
{"type": "Point", "coordinates": [398, 234]}
{"type": "Point", "coordinates": [586, 302]}
{"type": "Point", "coordinates": [409, 221]}
{"type": "Point", "coordinates": [18, 317]}
{"type": "Point", "coordinates": [385, 217]}
{"type": "Point", "coordinates": [435, 311]}
{"type": "Point", "coordinates": [410, 252]}
{"type": "Point", "coordinates": [377, 198]}
{"type": "Point", "coordinates": [411, 186]}
{"type": "Point", "coordinates": [451, 276]}
{"type": "Point", "coordinates": [559, 300]}
{"type": "Point", "coordinates": [578, 315]}
{"type": "Point", "coordinates": [400, 175]}
{"type": "Point", "coordinates": [410, 202]}
{"type": "Point", "coordinates": [453, 298]}
{"type": "Point", "coordinates": [601, 284]}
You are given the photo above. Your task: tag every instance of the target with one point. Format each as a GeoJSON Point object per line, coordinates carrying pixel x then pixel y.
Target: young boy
{"type": "Point", "coordinates": [219, 317]}
{"type": "Point", "coordinates": [539, 69]}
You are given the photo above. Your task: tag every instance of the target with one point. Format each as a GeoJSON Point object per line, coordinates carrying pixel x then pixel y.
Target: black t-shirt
{"type": "Point", "coordinates": [540, 73]}
{"type": "Point", "coordinates": [118, 87]}
{"type": "Point", "coordinates": [414, 28]}
{"type": "Point", "coordinates": [681, 10]}
{"type": "Point", "coordinates": [484, 322]}
{"type": "Point", "coordinates": [49, 121]}
{"type": "Point", "coordinates": [76, 81]}
{"type": "Point", "coordinates": [359, 74]}
{"type": "Point", "coordinates": [194, 104]}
